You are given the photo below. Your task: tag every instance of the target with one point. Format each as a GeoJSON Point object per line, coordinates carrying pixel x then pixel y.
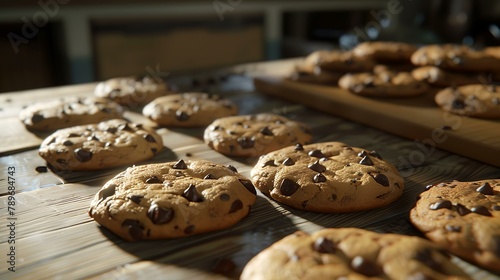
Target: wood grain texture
{"type": "Point", "coordinates": [56, 239]}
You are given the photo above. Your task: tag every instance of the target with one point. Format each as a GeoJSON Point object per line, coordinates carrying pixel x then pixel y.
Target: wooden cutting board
{"type": "Point", "coordinates": [416, 118]}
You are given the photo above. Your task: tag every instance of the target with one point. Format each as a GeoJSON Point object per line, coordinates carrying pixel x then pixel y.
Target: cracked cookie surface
{"type": "Point", "coordinates": [173, 199]}
{"type": "Point", "coordinates": [327, 177]}
{"type": "Point", "coordinates": [464, 218]}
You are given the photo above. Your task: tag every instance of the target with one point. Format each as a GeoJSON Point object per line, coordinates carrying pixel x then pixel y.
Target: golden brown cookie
{"type": "Point", "coordinates": [464, 218]}
{"type": "Point", "coordinates": [351, 253]}
{"type": "Point", "coordinates": [383, 84]}
{"type": "Point", "coordinates": [69, 111]}
{"type": "Point", "coordinates": [132, 91]}
{"type": "Point", "coordinates": [340, 61]}
{"type": "Point", "coordinates": [315, 76]}
{"type": "Point", "coordinates": [480, 101]}
{"type": "Point", "coordinates": [443, 78]}
{"type": "Point", "coordinates": [327, 177]}
{"type": "Point", "coordinates": [172, 199]}
{"type": "Point", "coordinates": [193, 109]}
{"type": "Point", "coordinates": [254, 135]}
{"type": "Point", "coordinates": [385, 51]}
{"type": "Point", "coordinates": [99, 146]}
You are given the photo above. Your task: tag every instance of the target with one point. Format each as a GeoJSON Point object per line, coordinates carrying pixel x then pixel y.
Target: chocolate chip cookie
{"type": "Point", "coordinates": [456, 57]}
{"type": "Point", "coordinates": [464, 218]}
{"type": "Point", "coordinates": [383, 84]}
{"type": "Point", "coordinates": [444, 78]}
{"type": "Point", "coordinates": [191, 109]}
{"type": "Point", "coordinates": [132, 91]}
{"type": "Point", "coordinates": [480, 101]}
{"type": "Point", "coordinates": [340, 61]}
{"type": "Point", "coordinates": [69, 111]}
{"type": "Point", "coordinates": [315, 76]}
{"type": "Point", "coordinates": [172, 199]}
{"type": "Point", "coordinates": [254, 135]}
{"type": "Point", "coordinates": [98, 146]}
{"type": "Point", "coordinates": [385, 51]}
{"type": "Point", "coordinates": [351, 253]}
{"type": "Point", "coordinates": [328, 177]}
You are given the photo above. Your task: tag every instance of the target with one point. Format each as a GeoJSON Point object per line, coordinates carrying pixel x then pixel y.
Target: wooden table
{"type": "Point", "coordinates": [56, 239]}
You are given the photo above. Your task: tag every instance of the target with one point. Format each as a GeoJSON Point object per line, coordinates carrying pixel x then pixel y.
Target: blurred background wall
{"type": "Point", "coordinates": [58, 42]}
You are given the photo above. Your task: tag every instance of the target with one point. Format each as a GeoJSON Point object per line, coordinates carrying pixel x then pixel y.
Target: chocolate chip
{"type": "Point", "coordinates": [362, 154]}
{"type": "Point", "coordinates": [41, 169]}
{"type": "Point", "coordinates": [288, 187]}
{"type": "Point", "coordinates": [109, 190]}
{"type": "Point", "coordinates": [191, 194]}
{"type": "Point", "coordinates": [136, 198]}
{"type": "Point", "coordinates": [160, 215]}
{"type": "Point", "coordinates": [189, 229]}
{"type": "Point", "coordinates": [180, 164]}
{"type": "Point", "coordinates": [440, 205]}
{"type": "Point", "coordinates": [269, 163]}
{"type": "Point", "coordinates": [334, 197]}
{"type": "Point", "coordinates": [365, 266]}
{"type": "Point", "coordinates": [453, 228]}
{"type": "Point", "coordinates": [299, 147]}
{"type": "Point", "coordinates": [462, 210]}
{"type": "Point", "coordinates": [181, 115]}
{"type": "Point", "coordinates": [37, 118]}
{"type": "Point", "coordinates": [316, 153]}
{"type": "Point", "coordinates": [375, 154]}
{"type": "Point", "coordinates": [68, 143]}
{"type": "Point", "coordinates": [248, 185]}
{"type": "Point", "coordinates": [288, 162]}
{"type": "Point", "coordinates": [481, 210]}
{"type": "Point", "coordinates": [92, 138]}
{"type": "Point", "coordinates": [232, 168]}
{"type": "Point", "coordinates": [82, 155]}
{"type": "Point", "coordinates": [153, 180]}
{"type": "Point", "coordinates": [209, 177]}
{"type": "Point", "coordinates": [134, 227]}
{"type": "Point", "coordinates": [381, 179]}
{"type": "Point", "coordinates": [235, 206]}
{"type": "Point", "coordinates": [458, 104]}
{"type": "Point", "coordinates": [246, 142]}
{"type": "Point", "coordinates": [266, 131]}
{"type": "Point", "coordinates": [112, 129]}
{"type": "Point", "coordinates": [324, 245]}
{"type": "Point", "coordinates": [485, 189]}
{"type": "Point", "coordinates": [149, 138]}
{"type": "Point", "coordinates": [366, 161]}
{"type": "Point", "coordinates": [318, 178]}
{"type": "Point", "coordinates": [316, 166]}
{"type": "Point", "coordinates": [304, 203]}
{"type": "Point", "coordinates": [154, 150]}
{"type": "Point", "coordinates": [224, 197]}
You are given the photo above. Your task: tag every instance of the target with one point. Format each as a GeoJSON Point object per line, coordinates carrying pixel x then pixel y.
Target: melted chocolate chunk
{"type": "Point", "coordinates": [180, 164]}
{"type": "Point", "coordinates": [68, 143]}
{"type": "Point", "coordinates": [316, 153]}
{"type": "Point", "coordinates": [232, 168]}
{"type": "Point", "coordinates": [217, 127]}
{"type": "Point", "coordinates": [458, 104]}
{"type": "Point", "coordinates": [266, 131]}
{"type": "Point", "coordinates": [375, 154]}
{"type": "Point", "coordinates": [112, 129]}
{"type": "Point", "coordinates": [288, 162]}
{"type": "Point", "coordinates": [224, 197]}
{"type": "Point", "coordinates": [235, 206]}
{"type": "Point", "coordinates": [41, 169]}
{"type": "Point", "coordinates": [192, 194]}
{"type": "Point", "coordinates": [362, 154]}
{"type": "Point", "coordinates": [37, 118]}
{"type": "Point", "coordinates": [160, 215]}
{"type": "Point", "coordinates": [485, 189]}
{"type": "Point", "coordinates": [481, 210]}
{"type": "Point", "coordinates": [269, 163]}
{"type": "Point", "coordinates": [319, 178]}
{"type": "Point", "coordinates": [149, 138]}
{"type": "Point", "coordinates": [189, 229]}
{"type": "Point", "coordinates": [92, 138]}
{"type": "Point", "coordinates": [248, 185]}
{"type": "Point", "coordinates": [288, 187]}
{"type": "Point", "coordinates": [153, 180]}
{"type": "Point", "coordinates": [181, 115]}
{"type": "Point", "coordinates": [107, 191]}
{"type": "Point", "coordinates": [82, 155]}
{"type": "Point", "coordinates": [317, 167]}
{"type": "Point", "coordinates": [366, 161]}
{"type": "Point", "coordinates": [299, 147]}
{"type": "Point", "coordinates": [136, 198]}
{"type": "Point", "coordinates": [462, 210]}
{"type": "Point", "coordinates": [365, 266]}
{"type": "Point", "coordinates": [325, 246]}
{"type": "Point", "coordinates": [246, 142]}
{"type": "Point", "coordinates": [381, 179]}
{"type": "Point", "coordinates": [134, 228]}
{"type": "Point", "coordinates": [440, 205]}
{"type": "Point", "coordinates": [209, 177]}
